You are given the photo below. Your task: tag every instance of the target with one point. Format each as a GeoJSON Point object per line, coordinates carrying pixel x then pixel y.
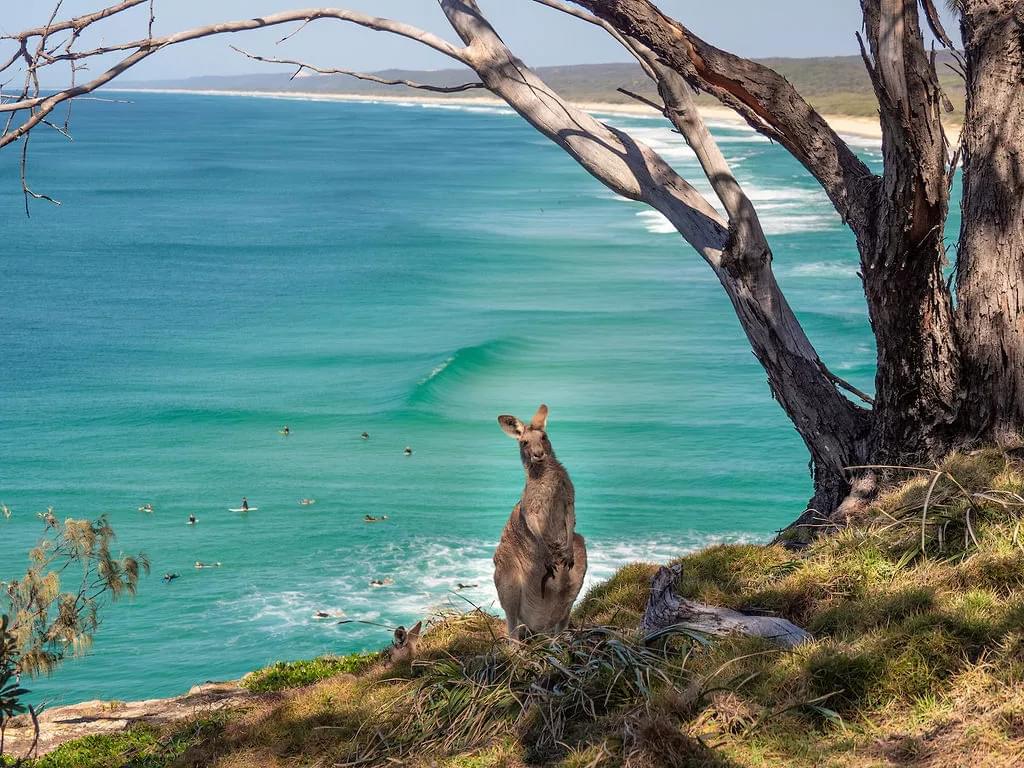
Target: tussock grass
{"type": "Point", "coordinates": [917, 611]}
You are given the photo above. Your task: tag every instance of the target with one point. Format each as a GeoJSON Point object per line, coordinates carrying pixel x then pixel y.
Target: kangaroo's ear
{"type": "Point", "coordinates": [513, 427]}
{"type": "Point", "coordinates": [540, 418]}
{"type": "Point", "coordinates": [415, 631]}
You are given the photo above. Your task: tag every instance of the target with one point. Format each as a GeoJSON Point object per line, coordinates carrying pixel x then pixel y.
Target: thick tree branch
{"type": "Point", "coordinates": [833, 428]}
{"type": "Point", "coordinates": [768, 102]}
{"type": "Point", "coordinates": [902, 263]}
{"type": "Point", "coordinates": [592, 19]}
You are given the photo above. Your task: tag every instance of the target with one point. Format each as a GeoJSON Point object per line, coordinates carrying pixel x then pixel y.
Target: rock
{"type": "Point", "coordinates": [62, 724]}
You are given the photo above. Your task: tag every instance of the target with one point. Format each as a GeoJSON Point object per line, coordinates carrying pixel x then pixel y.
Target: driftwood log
{"type": "Point", "coordinates": [666, 609]}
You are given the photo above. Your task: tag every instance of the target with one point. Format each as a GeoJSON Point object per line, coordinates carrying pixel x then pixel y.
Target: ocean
{"type": "Point", "coordinates": [223, 266]}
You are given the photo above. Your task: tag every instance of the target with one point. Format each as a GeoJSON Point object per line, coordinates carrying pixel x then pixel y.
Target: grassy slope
{"type": "Point", "coordinates": [836, 85]}
{"type": "Point", "coordinates": [919, 660]}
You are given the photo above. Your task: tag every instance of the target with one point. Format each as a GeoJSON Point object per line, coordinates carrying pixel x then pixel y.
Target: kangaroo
{"type": "Point", "coordinates": [540, 561]}
{"type": "Point", "coordinates": [403, 647]}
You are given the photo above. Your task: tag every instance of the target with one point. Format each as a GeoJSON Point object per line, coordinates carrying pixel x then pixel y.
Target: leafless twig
{"type": "Point", "coordinates": [360, 75]}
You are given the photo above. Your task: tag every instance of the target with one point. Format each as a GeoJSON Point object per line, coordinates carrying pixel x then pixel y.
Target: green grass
{"type": "Point", "coordinates": [917, 611]}
{"type": "Point", "coordinates": [142, 746]}
{"type": "Point", "coordinates": [295, 674]}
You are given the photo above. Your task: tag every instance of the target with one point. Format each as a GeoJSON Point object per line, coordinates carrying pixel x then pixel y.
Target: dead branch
{"type": "Point", "coordinates": [40, 106]}
{"type": "Point", "coordinates": [667, 609]}
{"type": "Point", "coordinates": [361, 75]}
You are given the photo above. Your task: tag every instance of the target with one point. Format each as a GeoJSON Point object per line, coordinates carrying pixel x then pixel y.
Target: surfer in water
{"type": "Point", "coordinates": [286, 431]}
{"type": "Point", "coordinates": [192, 519]}
{"type": "Point", "coordinates": [408, 451]}
{"type": "Point", "coordinates": [365, 435]}
{"type": "Point", "coordinates": [169, 577]}
{"type": "Point", "coordinates": [245, 504]}
{"type": "Point", "coordinates": [328, 614]}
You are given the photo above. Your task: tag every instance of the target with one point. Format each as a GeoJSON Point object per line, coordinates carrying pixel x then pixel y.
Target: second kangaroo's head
{"type": "Point", "coordinates": [534, 446]}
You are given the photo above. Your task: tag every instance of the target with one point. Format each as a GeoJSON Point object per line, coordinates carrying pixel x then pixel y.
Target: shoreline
{"type": "Point", "coordinates": [860, 127]}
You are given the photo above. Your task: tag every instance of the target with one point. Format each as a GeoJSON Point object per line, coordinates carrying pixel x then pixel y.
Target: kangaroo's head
{"type": "Point", "coordinates": [534, 445]}
{"type": "Point", "coordinates": [403, 647]}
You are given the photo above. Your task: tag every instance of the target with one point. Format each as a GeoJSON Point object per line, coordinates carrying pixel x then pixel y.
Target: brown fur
{"type": "Point", "coordinates": [540, 561]}
{"type": "Point", "coordinates": [403, 647]}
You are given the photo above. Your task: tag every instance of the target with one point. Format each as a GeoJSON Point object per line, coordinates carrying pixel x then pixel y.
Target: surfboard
{"type": "Point", "coordinates": [239, 509]}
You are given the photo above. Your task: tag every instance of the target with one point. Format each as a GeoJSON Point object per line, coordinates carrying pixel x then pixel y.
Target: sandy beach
{"type": "Point", "coordinates": [861, 127]}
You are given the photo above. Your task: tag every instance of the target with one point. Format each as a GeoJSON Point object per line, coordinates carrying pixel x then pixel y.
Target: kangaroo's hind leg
{"type": "Point", "coordinates": [510, 597]}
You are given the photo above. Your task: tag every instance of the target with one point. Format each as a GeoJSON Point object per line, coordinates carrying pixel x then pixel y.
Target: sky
{"type": "Point", "coordinates": [538, 35]}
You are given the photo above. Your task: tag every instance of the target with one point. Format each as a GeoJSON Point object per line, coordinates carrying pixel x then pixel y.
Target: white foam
{"type": "Point", "coordinates": [669, 145]}
{"type": "Point", "coordinates": [437, 370]}
{"type": "Point", "coordinates": [824, 269]}
{"type": "Point", "coordinates": [426, 575]}
{"type": "Point", "coordinates": [485, 110]}
{"type": "Point", "coordinates": [785, 225]}
{"type": "Point", "coordinates": [655, 221]}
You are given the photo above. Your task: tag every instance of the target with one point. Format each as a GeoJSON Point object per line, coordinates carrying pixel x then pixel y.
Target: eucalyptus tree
{"type": "Point", "coordinates": [950, 352]}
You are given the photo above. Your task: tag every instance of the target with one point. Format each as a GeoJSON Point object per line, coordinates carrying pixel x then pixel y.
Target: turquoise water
{"type": "Point", "coordinates": [224, 266]}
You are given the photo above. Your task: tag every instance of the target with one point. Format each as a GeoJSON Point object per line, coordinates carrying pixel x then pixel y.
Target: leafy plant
{"type": "Point", "coordinates": [42, 622]}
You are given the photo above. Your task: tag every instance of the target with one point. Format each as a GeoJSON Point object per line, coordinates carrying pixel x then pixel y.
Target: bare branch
{"type": "Point", "coordinates": [41, 106]}
{"type": "Point", "coordinates": [889, 60]}
{"type": "Point", "coordinates": [659, 108]}
{"type": "Point", "coordinates": [935, 23]}
{"type": "Point", "coordinates": [361, 75]}
{"type": "Point", "coordinates": [77, 23]}
{"type": "Point", "coordinates": [592, 19]}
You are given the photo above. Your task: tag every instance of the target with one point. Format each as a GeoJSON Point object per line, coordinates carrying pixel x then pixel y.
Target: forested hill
{"type": "Point", "coordinates": [836, 85]}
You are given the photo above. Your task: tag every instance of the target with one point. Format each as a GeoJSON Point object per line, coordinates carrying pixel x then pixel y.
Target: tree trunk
{"type": "Point", "coordinates": [990, 267]}
{"type": "Point", "coordinates": [902, 254]}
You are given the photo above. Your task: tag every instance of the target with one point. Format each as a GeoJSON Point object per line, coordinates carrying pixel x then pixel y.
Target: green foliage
{"type": "Point", "coordinates": [142, 746]}
{"type": "Point", "coordinates": [40, 621]}
{"type": "Point", "coordinates": [48, 620]}
{"type": "Point", "coordinates": [295, 674]}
